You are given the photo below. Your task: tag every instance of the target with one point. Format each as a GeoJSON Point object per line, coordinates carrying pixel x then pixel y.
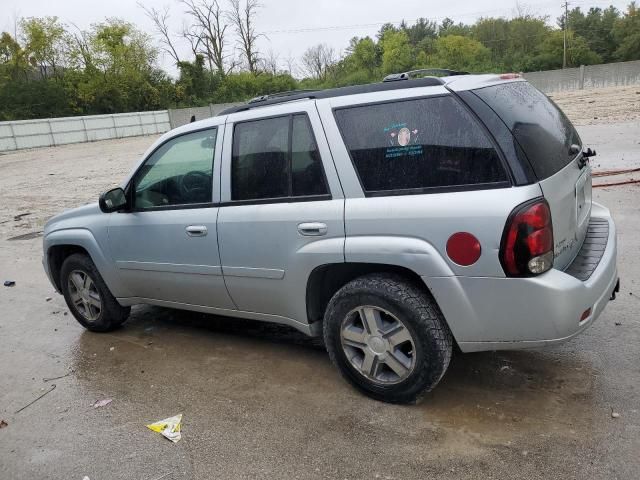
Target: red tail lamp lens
{"type": "Point", "coordinates": [527, 242]}
{"type": "Point", "coordinates": [540, 241]}
{"type": "Point", "coordinates": [463, 248]}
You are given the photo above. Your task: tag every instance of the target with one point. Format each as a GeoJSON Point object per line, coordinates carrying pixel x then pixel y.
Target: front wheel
{"type": "Point", "coordinates": [387, 337]}
{"type": "Point", "coordinates": [88, 297]}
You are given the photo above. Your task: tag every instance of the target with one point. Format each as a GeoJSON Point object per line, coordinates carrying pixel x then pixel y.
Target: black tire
{"type": "Point", "coordinates": [432, 340]}
{"type": "Point", "coordinates": [111, 315]}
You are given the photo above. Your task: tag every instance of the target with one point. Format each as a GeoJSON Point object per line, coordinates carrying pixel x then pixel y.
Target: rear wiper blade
{"type": "Point", "coordinates": [584, 159]}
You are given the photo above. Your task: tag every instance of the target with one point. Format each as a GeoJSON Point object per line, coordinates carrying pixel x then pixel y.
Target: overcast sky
{"type": "Point", "coordinates": [291, 26]}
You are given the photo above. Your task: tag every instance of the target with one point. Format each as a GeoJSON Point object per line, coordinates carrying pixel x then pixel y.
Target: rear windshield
{"type": "Point", "coordinates": [418, 145]}
{"type": "Point", "coordinates": [542, 130]}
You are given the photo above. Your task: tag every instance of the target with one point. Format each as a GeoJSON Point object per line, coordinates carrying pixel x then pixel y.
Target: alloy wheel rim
{"type": "Point", "coordinates": [84, 295]}
{"type": "Point", "coordinates": [378, 345]}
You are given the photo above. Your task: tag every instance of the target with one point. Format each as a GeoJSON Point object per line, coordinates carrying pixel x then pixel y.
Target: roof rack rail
{"type": "Point", "coordinates": [440, 72]}
{"type": "Point", "coordinates": [271, 96]}
{"type": "Point", "coordinates": [284, 97]}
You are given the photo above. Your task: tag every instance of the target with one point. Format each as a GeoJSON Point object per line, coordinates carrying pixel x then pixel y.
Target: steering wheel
{"type": "Point", "coordinates": [195, 186]}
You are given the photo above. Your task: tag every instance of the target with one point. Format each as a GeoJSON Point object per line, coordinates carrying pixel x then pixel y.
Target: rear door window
{"type": "Point", "coordinates": [542, 130]}
{"type": "Point", "coordinates": [276, 158]}
{"type": "Point", "coordinates": [260, 158]}
{"type": "Point", "coordinates": [418, 145]}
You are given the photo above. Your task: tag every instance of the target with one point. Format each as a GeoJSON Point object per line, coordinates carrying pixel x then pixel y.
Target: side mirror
{"type": "Point", "coordinates": [113, 200]}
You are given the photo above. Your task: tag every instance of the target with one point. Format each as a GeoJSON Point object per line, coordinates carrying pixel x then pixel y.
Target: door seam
{"type": "Point", "coordinates": [224, 278]}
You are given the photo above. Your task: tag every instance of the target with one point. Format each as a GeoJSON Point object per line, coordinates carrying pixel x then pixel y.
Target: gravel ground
{"type": "Point", "coordinates": [601, 106]}
{"type": "Point", "coordinates": [263, 401]}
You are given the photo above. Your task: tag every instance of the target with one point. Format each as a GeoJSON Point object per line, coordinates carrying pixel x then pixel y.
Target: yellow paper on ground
{"type": "Point", "coordinates": [169, 427]}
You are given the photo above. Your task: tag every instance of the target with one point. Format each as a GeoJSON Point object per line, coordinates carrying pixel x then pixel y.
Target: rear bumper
{"type": "Point", "coordinates": [486, 313]}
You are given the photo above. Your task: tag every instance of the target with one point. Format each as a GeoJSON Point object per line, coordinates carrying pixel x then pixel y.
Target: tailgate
{"type": "Point", "coordinates": [554, 150]}
{"type": "Point", "coordinates": [568, 193]}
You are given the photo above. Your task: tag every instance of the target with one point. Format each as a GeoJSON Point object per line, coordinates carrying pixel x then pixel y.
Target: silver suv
{"type": "Point", "coordinates": [397, 219]}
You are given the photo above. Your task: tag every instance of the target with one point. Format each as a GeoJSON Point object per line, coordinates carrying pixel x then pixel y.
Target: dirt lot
{"type": "Point", "coordinates": [601, 106]}
{"type": "Point", "coordinates": [262, 401]}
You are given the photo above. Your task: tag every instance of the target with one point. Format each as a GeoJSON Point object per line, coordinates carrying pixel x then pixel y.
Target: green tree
{"type": "Point", "coordinates": [44, 44]}
{"type": "Point", "coordinates": [495, 34]}
{"type": "Point", "coordinates": [550, 52]}
{"type": "Point", "coordinates": [10, 50]}
{"type": "Point", "coordinates": [112, 67]}
{"type": "Point", "coordinates": [397, 53]}
{"type": "Point", "coordinates": [193, 82]}
{"type": "Point", "coordinates": [387, 27]}
{"type": "Point", "coordinates": [13, 62]}
{"type": "Point", "coordinates": [626, 32]}
{"type": "Point", "coordinates": [365, 55]}
{"type": "Point", "coordinates": [526, 33]}
{"type": "Point", "coordinates": [242, 86]}
{"type": "Point", "coordinates": [460, 53]}
{"type": "Point", "coordinates": [596, 27]}
{"type": "Point", "coordinates": [420, 31]}
{"type": "Point", "coordinates": [449, 27]}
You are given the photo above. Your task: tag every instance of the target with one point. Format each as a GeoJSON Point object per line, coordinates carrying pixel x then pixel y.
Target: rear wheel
{"type": "Point", "coordinates": [88, 297]}
{"type": "Point", "coordinates": [387, 337]}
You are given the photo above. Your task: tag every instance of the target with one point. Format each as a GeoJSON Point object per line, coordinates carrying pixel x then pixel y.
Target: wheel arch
{"type": "Point", "coordinates": [56, 255]}
{"type": "Point", "coordinates": [325, 280]}
{"type": "Point", "coordinates": [59, 245]}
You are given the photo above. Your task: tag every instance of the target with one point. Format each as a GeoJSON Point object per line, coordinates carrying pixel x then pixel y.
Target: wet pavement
{"type": "Point", "coordinates": [263, 401]}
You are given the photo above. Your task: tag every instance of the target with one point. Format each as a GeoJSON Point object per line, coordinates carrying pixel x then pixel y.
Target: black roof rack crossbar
{"type": "Point", "coordinates": [440, 72]}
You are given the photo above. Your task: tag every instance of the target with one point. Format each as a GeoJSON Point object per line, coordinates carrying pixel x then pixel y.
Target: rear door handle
{"type": "Point", "coordinates": [312, 229]}
{"type": "Point", "coordinates": [196, 230]}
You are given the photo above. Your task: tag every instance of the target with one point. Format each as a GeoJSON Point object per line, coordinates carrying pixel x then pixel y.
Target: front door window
{"type": "Point", "coordinates": [180, 172]}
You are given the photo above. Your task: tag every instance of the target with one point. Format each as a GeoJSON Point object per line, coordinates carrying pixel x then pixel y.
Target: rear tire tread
{"type": "Point", "coordinates": [419, 311]}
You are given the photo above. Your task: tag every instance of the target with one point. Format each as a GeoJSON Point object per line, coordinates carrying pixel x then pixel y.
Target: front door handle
{"type": "Point", "coordinates": [196, 230]}
{"type": "Point", "coordinates": [313, 229]}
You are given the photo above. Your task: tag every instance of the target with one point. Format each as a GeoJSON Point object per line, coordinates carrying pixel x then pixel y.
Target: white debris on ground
{"type": "Point", "coordinates": [169, 427]}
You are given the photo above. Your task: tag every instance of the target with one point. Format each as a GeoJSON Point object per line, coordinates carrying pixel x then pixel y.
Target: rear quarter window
{"type": "Point", "coordinates": [542, 130]}
{"type": "Point", "coordinates": [413, 146]}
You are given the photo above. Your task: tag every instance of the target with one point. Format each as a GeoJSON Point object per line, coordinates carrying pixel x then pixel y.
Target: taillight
{"type": "Point", "coordinates": [527, 241]}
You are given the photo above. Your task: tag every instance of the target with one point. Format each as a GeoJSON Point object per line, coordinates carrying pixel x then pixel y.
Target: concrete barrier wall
{"type": "Point", "coordinates": [590, 76]}
{"type": "Point", "coordinates": [49, 132]}
{"type": "Point", "coordinates": [182, 116]}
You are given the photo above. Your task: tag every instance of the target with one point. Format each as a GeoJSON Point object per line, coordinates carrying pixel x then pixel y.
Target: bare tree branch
{"type": "Point", "coordinates": [80, 50]}
{"type": "Point", "coordinates": [270, 62]}
{"type": "Point", "coordinates": [243, 19]}
{"type": "Point", "coordinates": [209, 19]}
{"type": "Point", "coordinates": [193, 35]}
{"type": "Point", "coordinates": [290, 62]}
{"type": "Point", "coordinates": [317, 60]}
{"type": "Point", "coordinates": [160, 21]}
